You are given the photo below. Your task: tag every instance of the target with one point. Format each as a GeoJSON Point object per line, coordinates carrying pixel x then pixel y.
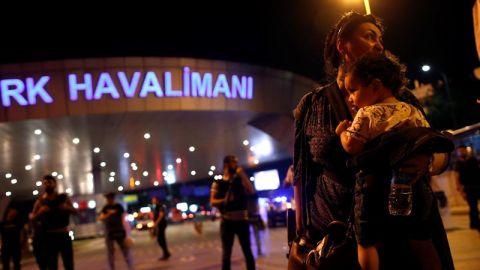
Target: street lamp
{"type": "Point", "coordinates": [366, 3]}
{"type": "Point", "coordinates": [427, 68]}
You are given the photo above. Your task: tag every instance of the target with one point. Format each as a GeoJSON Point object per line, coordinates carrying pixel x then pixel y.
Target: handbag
{"type": "Point", "coordinates": [337, 250]}
{"type": "Point", "coordinates": [299, 250]}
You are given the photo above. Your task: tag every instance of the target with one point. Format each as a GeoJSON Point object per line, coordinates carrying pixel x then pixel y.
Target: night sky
{"type": "Point", "coordinates": [282, 34]}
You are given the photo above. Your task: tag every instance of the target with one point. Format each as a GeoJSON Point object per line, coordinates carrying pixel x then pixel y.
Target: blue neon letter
{"type": "Point", "coordinates": [221, 86]}
{"type": "Point", "coordinates": [38, 89]}
{"type": "Point", "coordinates": [105, 86]}
{"type": "Point", "coordinates": [250, 87]}
{"type": "Point", "coordinates": [129, 89]}
{"type": "Point", "coordinates": [239, 87]}
{"type": "Point", "coordinates": [12, 88]}
{"type": "Point", "coordinates": [201, 87]}
{"type": "Point", "coordinates": [169, 92]}
{"type": "Point", "coordinates": [150, 84]}
{"type": "Point", "coordinates": [186, 81]}
{"type": "Point", "coordinates": [74, 87]}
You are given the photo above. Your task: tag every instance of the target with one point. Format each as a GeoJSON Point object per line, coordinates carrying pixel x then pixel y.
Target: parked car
{"type": "Point", "coordinates": [143, 221]}
{"type": "Point", "coordinates": [277, 211]}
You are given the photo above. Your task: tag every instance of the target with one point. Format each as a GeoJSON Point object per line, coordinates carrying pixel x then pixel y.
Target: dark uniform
{"type": "Point", "coordinates": [234, 219]}
{"type": "Point", "coordinates": [51, 234]}
{"type": "Point", "coordinates": [160, 230]}
{"type": "Point", "coordinates": [469, 173]}
{"type": "Point", "coordinates": [11, 247]}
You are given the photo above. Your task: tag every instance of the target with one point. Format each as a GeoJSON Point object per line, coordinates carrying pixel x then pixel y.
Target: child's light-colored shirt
{"type": "Point", "coordinates": [372, 121]}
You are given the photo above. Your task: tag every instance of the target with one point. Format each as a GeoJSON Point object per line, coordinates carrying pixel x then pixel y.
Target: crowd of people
{"type": "Point", "coordinates": [50, 218]}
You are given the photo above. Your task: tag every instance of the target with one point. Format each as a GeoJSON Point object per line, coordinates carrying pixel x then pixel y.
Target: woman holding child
{"type": "Point", "coordinates": [322, 177]}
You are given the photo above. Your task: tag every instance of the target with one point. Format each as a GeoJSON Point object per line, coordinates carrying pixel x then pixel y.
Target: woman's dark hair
{"type": "Point", "coordinates": [382, 66]}
{"type": "Point", "coordinates": [343, 30]}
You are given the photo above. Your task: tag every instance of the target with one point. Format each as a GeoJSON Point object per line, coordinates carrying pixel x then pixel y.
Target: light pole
{"type": "Point", "coordinates": [427, 68]}
{"type": "Point", "coordinates": [366, 3]}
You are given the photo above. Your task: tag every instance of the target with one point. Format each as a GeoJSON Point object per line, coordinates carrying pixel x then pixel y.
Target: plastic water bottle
{"type": "Point", "coordinates": [400, 197]}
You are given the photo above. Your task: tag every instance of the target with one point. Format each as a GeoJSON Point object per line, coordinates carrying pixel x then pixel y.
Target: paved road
{"type": "Point", "coordinates": [189, 251]}
{"type": "Point", "coordinates": [464, 243]}
{"type": "Point", "coordinates": [203, 252]}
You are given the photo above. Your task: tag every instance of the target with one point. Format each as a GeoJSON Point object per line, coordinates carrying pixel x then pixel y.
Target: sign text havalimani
{"type": "Point", "coordinates": [117, 85]}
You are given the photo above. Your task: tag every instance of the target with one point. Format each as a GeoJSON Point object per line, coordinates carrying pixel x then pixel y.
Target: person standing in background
{"type": "Point", "coordinates": [255, 220]}
{"type": "Point", "coordinates": [160, 225]}
{"type": "Point", "coordinates": [229, 195]}
{"type": "Point", "coordinates": [10, 229]}
{"type": "Point", "coordinates": [51, 217]}
{"type": "Point", "coordinates": [467, 179]}
{"type": "Point", "coordinates": [116, 230]}
{"type": "Point", "coordinates": [288, 181]}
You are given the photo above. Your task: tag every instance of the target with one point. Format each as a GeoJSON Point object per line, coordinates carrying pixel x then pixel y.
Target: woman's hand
{"type": "Point", "coordinates": [342, 126]}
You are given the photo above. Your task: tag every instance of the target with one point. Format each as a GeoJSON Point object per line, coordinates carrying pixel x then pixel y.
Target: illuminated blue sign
{"type": "Point", "coordinates": [118, 85]}
{"type": "Point", "coordinates": [14, 89]}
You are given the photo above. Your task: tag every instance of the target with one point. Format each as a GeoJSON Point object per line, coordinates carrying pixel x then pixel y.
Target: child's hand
{"type": "Point", "coordinates": [342, 127]}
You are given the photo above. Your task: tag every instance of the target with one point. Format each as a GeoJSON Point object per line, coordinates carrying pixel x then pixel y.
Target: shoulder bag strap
{"type": "Point", "coordinates": [337, 102]}
{"type": "Point", "coordinates": [341, 111]}
{"type": "Point", "coordinates": [303, 208]}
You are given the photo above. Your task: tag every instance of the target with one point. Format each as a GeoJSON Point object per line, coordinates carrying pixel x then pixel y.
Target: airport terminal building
{"type": "Point", "coordinates": [130, 123]}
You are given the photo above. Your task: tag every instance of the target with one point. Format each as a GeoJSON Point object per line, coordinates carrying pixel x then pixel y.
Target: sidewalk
{"type": "Point", "coordinates": [464, 242]}
{"type": "Point", "coordinates": [191, 251]}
